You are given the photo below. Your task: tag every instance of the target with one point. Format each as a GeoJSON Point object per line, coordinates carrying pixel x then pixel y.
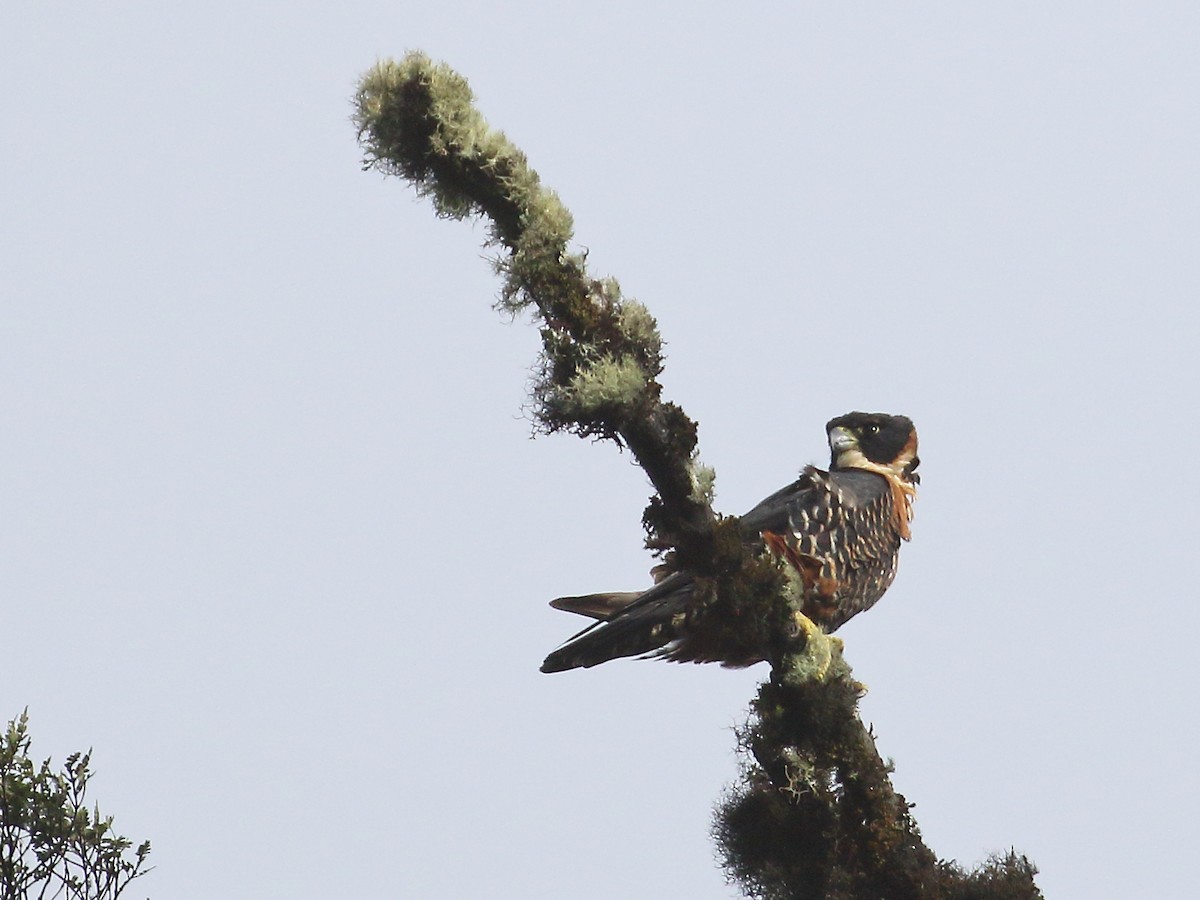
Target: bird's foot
{"type": "Point", "coordinates": [816, 656]}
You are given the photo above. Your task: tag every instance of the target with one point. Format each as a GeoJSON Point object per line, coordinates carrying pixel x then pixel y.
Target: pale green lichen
{"type": "Point", "coordinates": [639, 327]}
{"type": "Point", "coordinates": [818, 659]}
{"type": "Point", "coordinates": [803, 776]}
{"type": "Point", "coordinates": [416, 119]}
{"type": "Point", "coordinates": [607, 383]}
{"type": "Point", "coordinates": [703, 481]}
{"type": "Point", "coordinates": [608, 288]}
{"type": "Point", "coordinates": [545, 214]}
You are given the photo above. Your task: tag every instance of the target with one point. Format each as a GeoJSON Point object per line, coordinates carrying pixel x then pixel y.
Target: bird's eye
{"type": "Point", "coordinates": [872, 429]}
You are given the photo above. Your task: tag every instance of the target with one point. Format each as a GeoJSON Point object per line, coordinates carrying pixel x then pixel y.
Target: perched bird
{"type": "Point", "coordinates": [837, 532]}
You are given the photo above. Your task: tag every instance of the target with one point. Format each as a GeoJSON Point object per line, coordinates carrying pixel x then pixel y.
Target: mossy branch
{"type": "Point", "coordinates": [602, 353]}
{"type": "Point", "coordinates": [816, 814]}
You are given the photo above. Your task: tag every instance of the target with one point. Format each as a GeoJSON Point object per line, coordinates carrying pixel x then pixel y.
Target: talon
{"type": "Point", "coordinates": [814, 660]}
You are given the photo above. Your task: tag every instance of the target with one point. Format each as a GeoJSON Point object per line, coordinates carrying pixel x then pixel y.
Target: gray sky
{"type": "Point", "coordinates": [275, 541]}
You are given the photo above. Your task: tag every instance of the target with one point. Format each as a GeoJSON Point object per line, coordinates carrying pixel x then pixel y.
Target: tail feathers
{"type": "Point", "coordinates": [596, 606]}
{"type": "Point", "coordinates": [630, 625]}
{"type": "Point", "coordinates": [603, 642]}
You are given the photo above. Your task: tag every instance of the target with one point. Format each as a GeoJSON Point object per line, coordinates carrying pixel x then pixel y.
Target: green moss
{"type": "Point", "coordinates": [775, 846]}
{"type": "Point", "coordinates": [1002, 877]}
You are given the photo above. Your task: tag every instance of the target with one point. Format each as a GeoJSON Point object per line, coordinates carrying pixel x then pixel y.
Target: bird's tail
{"type": "Point", "coordinates": [596, 606]}
{"type": "Point", "coordinates": [630, 624]}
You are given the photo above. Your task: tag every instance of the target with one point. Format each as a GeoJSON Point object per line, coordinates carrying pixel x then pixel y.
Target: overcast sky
{"type": "Point", "coordinates": [274, 539]}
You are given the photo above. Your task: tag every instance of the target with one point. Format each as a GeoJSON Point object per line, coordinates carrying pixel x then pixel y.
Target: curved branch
{"type": "Point", "coordinates": [816, 815]}
{"type": "Point", "coordinates": [602, 352]}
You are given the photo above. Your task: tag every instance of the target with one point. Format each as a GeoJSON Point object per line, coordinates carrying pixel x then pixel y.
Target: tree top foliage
{"type": "Point", "coordinates": [51, 843]}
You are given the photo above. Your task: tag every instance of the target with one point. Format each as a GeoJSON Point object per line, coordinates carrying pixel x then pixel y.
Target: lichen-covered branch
{"type": "Point", "coordinates": [602, 351]}
{"type": "Point", "coordinates": [816, 815]}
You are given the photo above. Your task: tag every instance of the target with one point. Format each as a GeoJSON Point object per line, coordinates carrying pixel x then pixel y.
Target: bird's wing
{"type": "Point", "coordinates": [776, 512]}
{"type": "Point", "coordinates": [637, 624]}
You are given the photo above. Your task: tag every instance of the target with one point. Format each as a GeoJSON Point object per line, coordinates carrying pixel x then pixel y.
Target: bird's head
{"type": "Point", "coordinates": [876, 442]}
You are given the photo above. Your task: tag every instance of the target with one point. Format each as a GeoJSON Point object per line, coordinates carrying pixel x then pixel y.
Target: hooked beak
{"type": "Point", "coordinates": [841, 439]}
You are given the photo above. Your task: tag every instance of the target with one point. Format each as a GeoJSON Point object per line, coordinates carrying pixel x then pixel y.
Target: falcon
{"type": "Point", "coordinates": [836, 534]}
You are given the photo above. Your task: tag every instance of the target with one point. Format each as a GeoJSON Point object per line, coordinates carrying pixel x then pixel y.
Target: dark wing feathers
{"type": "Point", "coordinates": [775, 512]}
{"type": "Point", "coordinates": [632, 624]}
{"type": "Point", "coordinates": [637, 625]}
